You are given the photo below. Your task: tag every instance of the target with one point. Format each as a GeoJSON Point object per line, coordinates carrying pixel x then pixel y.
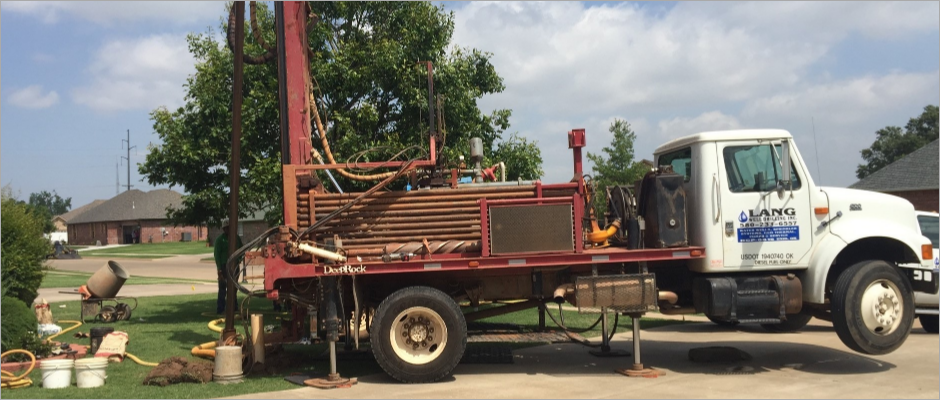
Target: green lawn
{"type": "Point", "coordinates": [529, 319]}
{"type": "Point", "coordinates": [151, 250]}
{"type": "Point", "coordinates": [74, 279]}
{"type": "Point", "coordinates": [162, 327]}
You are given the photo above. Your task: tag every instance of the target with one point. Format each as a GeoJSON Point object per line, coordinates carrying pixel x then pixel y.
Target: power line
{"type": "Point", "coordinates": [128, 158]}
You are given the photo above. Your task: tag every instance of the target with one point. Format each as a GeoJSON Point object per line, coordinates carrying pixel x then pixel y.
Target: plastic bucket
{"type": "Point", "coordinates": [107, 281]}
{"type": "Point", "coordinates": [56, 374]}
{"type": "Point", "coordinates": [90, 372]}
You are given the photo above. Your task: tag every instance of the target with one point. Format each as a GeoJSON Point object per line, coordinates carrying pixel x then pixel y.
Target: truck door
{"type": "Point", "coordinates": [766, 221]}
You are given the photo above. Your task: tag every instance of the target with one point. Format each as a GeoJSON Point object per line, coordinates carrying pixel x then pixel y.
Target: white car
{"type": "Point", "coordinates": [927, 304]}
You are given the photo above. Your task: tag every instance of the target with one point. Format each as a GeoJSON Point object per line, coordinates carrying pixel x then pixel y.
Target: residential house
{"type": "Point", "coordinates": [62, 221]}
{"type": "Point", "coordinates": [133, 217]}
{"type": "Point", "coordinates": [915, 177]}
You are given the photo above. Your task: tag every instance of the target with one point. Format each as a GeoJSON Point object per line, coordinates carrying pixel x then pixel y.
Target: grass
{"type": "Point", "coordinates": [529, 320]}
{"type": "Point", "coordinates": [151, 250]}
{"type": "Point", "coordinates": [172, 325]}
{"type": "Point", "coordinates": [74, 279]}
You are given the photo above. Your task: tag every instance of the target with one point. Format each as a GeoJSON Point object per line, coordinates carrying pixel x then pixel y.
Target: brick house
{"type": "Point", "coordinates": [915, 177]}
{"type": "Point", "coordinates": [248, 228]}
{"type": "Point", "coordinates": [62, 221]}
{"type": "Point", "coordinates": [133, 216]}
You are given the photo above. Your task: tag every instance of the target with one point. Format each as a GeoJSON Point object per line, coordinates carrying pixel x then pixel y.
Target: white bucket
{"type": "Point", "coordinates": [90, 372]}
{"type": "Point", "coordinates": [56, 374]}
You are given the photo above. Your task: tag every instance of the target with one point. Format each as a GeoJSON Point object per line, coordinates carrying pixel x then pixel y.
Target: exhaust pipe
{"type": "Point", "coordinates": [564, 293]}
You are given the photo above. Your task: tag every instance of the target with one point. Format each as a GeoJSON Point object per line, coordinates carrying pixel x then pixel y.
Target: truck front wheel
{"type": "Point", "coordinates": [872, 307]}
{"type": "Point", "coordinates": [418, 334]}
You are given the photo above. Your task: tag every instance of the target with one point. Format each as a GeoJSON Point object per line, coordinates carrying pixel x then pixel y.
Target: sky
{"type": "Point", "coordinates": [78, 76]}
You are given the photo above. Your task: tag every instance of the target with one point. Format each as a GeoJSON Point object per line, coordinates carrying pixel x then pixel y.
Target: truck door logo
{"type": "Point", "coordinates": [768, 225]}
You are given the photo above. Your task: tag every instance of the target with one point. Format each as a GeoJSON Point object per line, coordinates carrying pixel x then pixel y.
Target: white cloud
{"type": "Point", "coordinates": [696, 67]}
{"type": "Point", "coordinates": [107, 13]}
{"type": "Point", "coordinates": [141, 73]}
{"type": "Point", "coordinates": [709, 121]}
{"type": "Point", "coordinates": [33, 97]}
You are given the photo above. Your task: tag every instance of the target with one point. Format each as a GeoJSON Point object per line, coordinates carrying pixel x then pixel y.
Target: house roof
{"type": "Point", "coordinates": [133, 205]}
{"type": "Point", "coordinates": [69, 216]}
{"type": "Point", "coordinates": [916, 171]}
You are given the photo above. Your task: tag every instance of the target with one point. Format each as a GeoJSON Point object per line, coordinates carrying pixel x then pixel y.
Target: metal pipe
{"type": "Point", "coordinates": [463, 189]}
{"type": "Point", "coordinates": [636, 341]}
{"type": "Point", "coordinates": [502, 171]}
{"type": "Point", "coordinates": [667, 296]}
{"type": "Point", "coordinates": [235, 167]}
{"type": "Point", "coordinates": [563, 293]}
{"type": "Point", "coordinates": [501, 184]}
{"type": "Point", "coordinates": [318, 252]}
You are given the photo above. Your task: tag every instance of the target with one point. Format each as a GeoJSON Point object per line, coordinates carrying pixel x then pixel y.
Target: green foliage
{"type": "Point", "coordinates": [372, 92]}
{"type": "Point", "coordinates": [24, 249]}
{"type": "Point", "coordinates": [49, 205]}
{"type": "Point", "coordinates": [523, 158]}
{"type": "Point", "coordinates": [18, 321]}
{"type": "Point", "coordinates": [893, 144]}
{"type": "Point", "coordinates": [619, 167]}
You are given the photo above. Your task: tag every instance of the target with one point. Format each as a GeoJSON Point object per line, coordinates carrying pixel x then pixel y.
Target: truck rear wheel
{"type": "Point", "coordinates": [931, 323]}
{"type": "Point", "coordinates": [793, 323]}
{"type": "Point", "coordinates": [872, 307]}
{"type": "Point", "coordinates": [418, 335]}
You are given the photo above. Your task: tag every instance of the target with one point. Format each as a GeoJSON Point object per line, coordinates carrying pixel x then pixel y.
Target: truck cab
{"type": "Point", "coordinates": [757, 211]}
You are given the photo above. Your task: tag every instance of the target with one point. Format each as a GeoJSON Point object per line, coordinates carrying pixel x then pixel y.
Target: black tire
{"type": "Point", "coordinates": [929, 322]}
{"type": "Point", "coordinates": [793, 323]}
{"type": "Point", "coordinates": [385, 320]}
{"type": "Point", "coordinates": [719, 322]}
{"type": "Point", "coordinates": [847, 310]}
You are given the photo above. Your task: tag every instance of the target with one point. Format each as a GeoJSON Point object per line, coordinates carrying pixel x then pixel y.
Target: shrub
{"type": "Point", "coordinates": [24, 250]}
{"type": "Point", "coordinates": [18, 320]}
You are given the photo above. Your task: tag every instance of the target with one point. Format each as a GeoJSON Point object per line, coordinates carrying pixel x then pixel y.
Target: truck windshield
{"type": "Point", "coordinates": [755, 168]}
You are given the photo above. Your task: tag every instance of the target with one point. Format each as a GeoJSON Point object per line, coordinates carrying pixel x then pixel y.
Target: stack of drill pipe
{"type": "Point", "coordinates": [440, 215]}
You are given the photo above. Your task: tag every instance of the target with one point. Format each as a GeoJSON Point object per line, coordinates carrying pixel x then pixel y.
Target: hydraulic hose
{"type": "Point", "coordinates": [10, 381]}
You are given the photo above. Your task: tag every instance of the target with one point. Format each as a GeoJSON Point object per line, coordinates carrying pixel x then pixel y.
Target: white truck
{"type": "Point", "coordinates": [857, 256]}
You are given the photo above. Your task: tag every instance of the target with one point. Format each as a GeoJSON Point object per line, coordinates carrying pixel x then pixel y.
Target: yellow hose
{"type": "Point", "coordinates": [10, 381]}
{"type": "Point", "coordinates": [139, 361]}
{"type": "Point", "coordinates": [73, 327]}
{"type": "Point", "coordinates": [599, 236]}
{"type": "Point", "coordinates": [206, 349]}
{"type": "Point", "coordinates": [214, 325]}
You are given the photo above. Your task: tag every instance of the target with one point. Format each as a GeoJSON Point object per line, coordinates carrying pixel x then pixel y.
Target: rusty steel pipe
{"type": "Point", "coordinates": [433, 192]}
{"type": "Point", "coordinates": [402, 206]}
{"type": "Point", "coordinates": [400, 213]}
{"type": "Point", "coordinates": [410, 239]}
{"type": "Point", "coordinates": [429, 221]}
{"type": "Point", "coordinates": [319, 201]}
{"type": "Point", "coordinates": [427, 232]}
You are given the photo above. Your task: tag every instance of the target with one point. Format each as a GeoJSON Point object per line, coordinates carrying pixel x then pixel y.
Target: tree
{"type": "Point", "coordinates": [23, 247]}
{"type": "Point", "coordinates": [49, 205]}
{"type": "Point", "coordinates": [372, 96]}
{"type": "Point", "coordinates": [619, 167]}
{"type": "Point", "coordinates": [891, 144]}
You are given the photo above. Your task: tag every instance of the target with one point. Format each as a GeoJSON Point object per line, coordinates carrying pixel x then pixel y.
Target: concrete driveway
{"type": "Point", "coordinates": [809, 364]}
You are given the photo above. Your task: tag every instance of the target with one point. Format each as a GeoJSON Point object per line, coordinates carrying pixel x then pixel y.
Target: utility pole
{"type": "Point", "coordinates": [128, 158]}
{"type": "Point", "coordinates": [117, 178]}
